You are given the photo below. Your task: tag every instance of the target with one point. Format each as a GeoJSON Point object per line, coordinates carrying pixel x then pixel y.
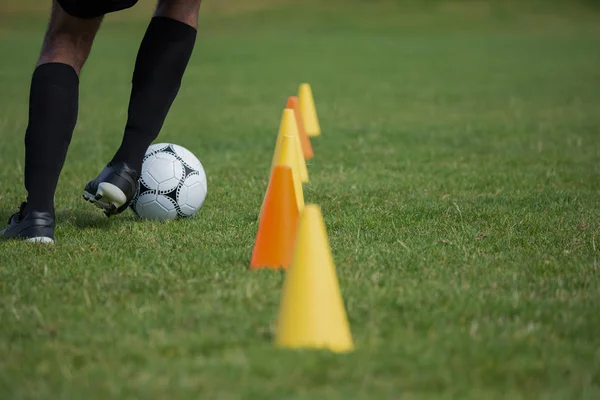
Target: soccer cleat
{"type": "Point", "coordinates": [113, 189]}
{"type": "Point", "coordinates": [33, 226]}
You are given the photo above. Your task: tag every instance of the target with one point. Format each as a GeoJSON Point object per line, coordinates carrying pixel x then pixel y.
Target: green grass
{"type": "Point", "coordinates": [458, 173]}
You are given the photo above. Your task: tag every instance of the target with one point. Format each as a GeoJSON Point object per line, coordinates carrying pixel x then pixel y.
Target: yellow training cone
{"type": "Point", "coordinates": [288, 126]}
{"type": "Point", "coordinates": [308, 110]}
{"type": "Point", "coordinates": [311, 313]}
{"type": "Point", "coordinates": [287, 154]}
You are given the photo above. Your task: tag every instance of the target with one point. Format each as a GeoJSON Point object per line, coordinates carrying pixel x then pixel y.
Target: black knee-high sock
{"type": "Point", "coordinates": [53, 106]}
{"type": "Point", "coordinates": [161, 62]}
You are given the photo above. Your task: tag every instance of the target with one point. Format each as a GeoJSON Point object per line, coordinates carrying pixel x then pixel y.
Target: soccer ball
{"type": "Point", "coordinates": [172, 184]}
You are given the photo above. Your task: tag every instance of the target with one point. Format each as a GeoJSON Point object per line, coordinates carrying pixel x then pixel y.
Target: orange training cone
{"type": "Point", "coordinates": [308, 110]}
{"type": "Point", "coordinates": [278, 222]}
{"type": "Point", "coordinates": [311, 313]}
{"type": "Point", "coordinates": [287, 154]}
{"type": "Point", "coordinates": [289, 126]}
{"type": "Point", "coordinates": [307, 150]}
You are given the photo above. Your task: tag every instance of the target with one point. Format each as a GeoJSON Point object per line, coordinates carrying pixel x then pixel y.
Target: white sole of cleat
{"type": "Point", "coordinates": [108, 197]}
{"type": "Point", "coordinates": [41, 239]}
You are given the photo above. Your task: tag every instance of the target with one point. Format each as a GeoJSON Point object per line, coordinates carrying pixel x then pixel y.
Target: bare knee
{"type": "Point", "coordinates": [68, 39]}
{"type": "Point", "coordinates": [185, 11]}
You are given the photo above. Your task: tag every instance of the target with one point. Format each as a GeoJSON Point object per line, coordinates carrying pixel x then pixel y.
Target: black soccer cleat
{"type": "Point", "coordinates": [113, 189]}
{"type": "Point", "coordinates": [33, 226]}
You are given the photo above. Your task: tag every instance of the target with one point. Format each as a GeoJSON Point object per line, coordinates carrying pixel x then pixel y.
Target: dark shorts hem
{"type": "Point", "coordinates": [94, 8]}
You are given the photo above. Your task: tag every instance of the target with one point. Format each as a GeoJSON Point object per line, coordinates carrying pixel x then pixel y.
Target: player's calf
{"type": "Point", "coordinates": [185, 11]}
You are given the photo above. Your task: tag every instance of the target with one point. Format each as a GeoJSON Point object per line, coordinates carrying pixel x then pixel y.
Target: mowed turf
{"type": "Point", "coordinates": [458, 173]}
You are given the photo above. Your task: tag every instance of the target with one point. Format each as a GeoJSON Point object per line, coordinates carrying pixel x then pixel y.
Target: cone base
{"type": "Point", "coordinates": [334, 348]}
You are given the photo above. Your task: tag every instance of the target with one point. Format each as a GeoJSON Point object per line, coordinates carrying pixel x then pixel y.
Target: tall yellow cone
{"type": "Point", "coordinates": [311, 313]}
{"type": "Point", "coordinates": [287, 154]}
{"type": "Point", "coordinates": [308, 110]}
{"type": "Point", "coordinates": [288, 126]}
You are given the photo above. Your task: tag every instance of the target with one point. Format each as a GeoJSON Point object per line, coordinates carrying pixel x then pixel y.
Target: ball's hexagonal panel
{"type": "Point", "coordinates": [146, 178]}
{"type": "Point", "coordinates": [140, 203]}
{"type": "Point", "coordinates": [153, 206]}
{"type": "Point", "coordinates": [191, 194]}
{"type": "Point", "coordinates": [188, 157]}
{"type": "Point", "coordinates": [166, 170]}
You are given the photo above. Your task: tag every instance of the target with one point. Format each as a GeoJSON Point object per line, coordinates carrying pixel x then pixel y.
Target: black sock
{"type": "Point", "coordinates": [161, 61]}
{"type": "Point", "coordinates": [53, 106]}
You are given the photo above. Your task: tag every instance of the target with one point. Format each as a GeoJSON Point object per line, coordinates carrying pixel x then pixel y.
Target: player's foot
{"type": "Point", "coordinates": [32, 226]}
{"type": "Point", "coordinates": [113, 189]}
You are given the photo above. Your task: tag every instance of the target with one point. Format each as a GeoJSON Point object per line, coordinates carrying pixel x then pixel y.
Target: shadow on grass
{"type": "Point", "coordinates": [75, 218]}
{"type": "Point", "coordinates": [83, 219]}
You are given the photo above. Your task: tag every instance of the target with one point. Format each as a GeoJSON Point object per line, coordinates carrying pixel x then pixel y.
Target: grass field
{"type": "Point", "coordinates": [458, 173]}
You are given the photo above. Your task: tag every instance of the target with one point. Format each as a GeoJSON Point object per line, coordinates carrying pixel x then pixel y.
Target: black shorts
{"type": "Point", "coordinates": [94, 8]}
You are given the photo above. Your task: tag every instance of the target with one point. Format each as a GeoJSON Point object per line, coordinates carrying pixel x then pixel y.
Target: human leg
{"type": "Point", "coordinates": [161, 61]}
{"type": "Point", "coordinates": [53, 108]}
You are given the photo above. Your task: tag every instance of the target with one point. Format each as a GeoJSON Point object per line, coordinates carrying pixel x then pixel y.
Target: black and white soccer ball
{"type": "Point", "coordinates": [172, 184]}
